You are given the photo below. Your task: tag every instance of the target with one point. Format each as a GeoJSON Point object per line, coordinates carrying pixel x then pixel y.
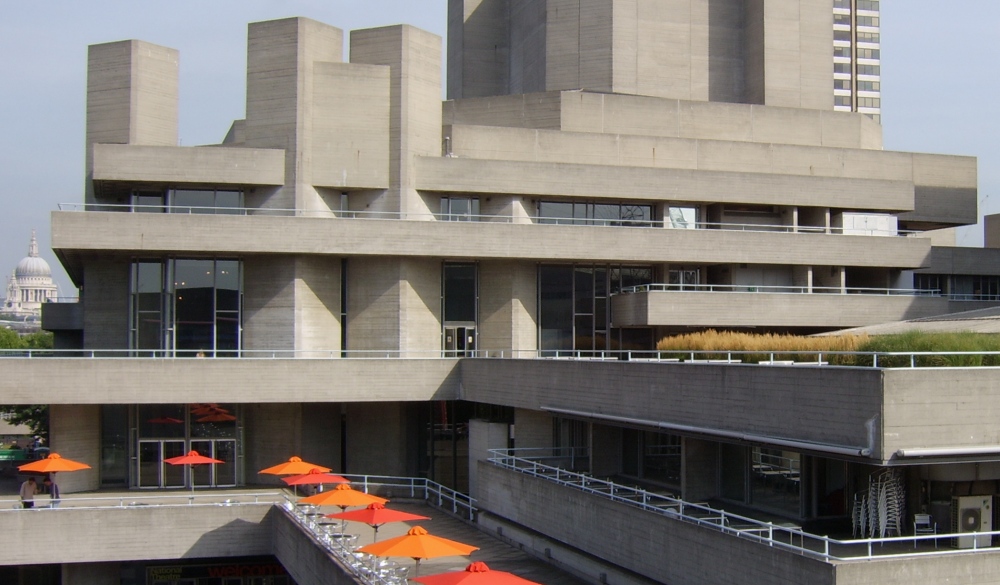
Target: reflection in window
{"type": "Point", "coordinates": [775, 480]}
{"type": "Point", "coordinates": [652, 456]}
{"type": "Point", "coordinates": [682, 217]}
{"type": "Point", "coordinates": [605, 214]}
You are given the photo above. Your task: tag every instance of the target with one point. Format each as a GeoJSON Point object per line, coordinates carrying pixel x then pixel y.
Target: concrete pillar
{"type": "Point", "coordinates": [414, 60]}
{"type": "Point", "coordinates": [105, 298]}
{"type": "Point", "coordinates": [532, 429]}
{"type": "Point", "coordinates": [281, 62]}
{"type": "Point", "coordinates": [382, 438]}
{"type": "Point", "coordinates": [605, 450]}
{"type": "Point", "coordinates": [483, 436]}
{"type": "Point", "coordinates": [272, 433]}
{"type": "Point", "coordinates": [394, 304]}
{"type": "Point", "coordinates": [478, 48]}
{"type": "Point", "coordinates": [91, 573]}
{"type": "Point", "coordinates": [292, 303]}
{"type": "Point", "coordinates": [699, 470]}
{"type": "Point", "coordinates": [131, 97]}
{"type": "Point", "coordinates": [75, 433]}
{"type": "Point", "coordinates": [508, 299]}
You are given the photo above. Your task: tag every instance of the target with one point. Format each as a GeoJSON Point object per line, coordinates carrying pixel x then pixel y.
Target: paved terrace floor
{"type": "Point", "coordinates": [495, 553]}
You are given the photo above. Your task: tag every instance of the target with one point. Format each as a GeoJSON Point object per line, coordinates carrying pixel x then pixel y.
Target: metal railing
{"type": "Point", "coordinates": [484, 218]}
{"type": "Point", "coordinates": [151, 498]}
{"type": "Point", "coordinates": [752, 288]}
{"type": "Point", "coordinates": [856, 359]}
{"type": "Point", "coordinates": [786, 536]}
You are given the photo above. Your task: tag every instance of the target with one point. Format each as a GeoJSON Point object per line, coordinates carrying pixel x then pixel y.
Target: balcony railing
{"type": "Point", "coordinates": [749, 288]}
{"type": "Point", "coordinates": [484, 218]}
{"type": "Point", "coordinates": [856, 359]}
{"type": "Point", "coordinates": [788, 536]}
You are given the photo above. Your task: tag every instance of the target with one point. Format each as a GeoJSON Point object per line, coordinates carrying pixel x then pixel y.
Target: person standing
{"type": "Point", "coordinates": [53, 489]}
{"type": "Point", "coordinates": [28, 491]}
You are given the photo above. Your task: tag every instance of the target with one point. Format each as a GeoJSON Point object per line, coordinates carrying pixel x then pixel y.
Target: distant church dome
{"type": "Point", "coordinates": [30, 285]}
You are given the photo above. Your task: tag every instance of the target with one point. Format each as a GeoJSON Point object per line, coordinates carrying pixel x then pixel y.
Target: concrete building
{"type": "Point", "coordinates": [375, 275]}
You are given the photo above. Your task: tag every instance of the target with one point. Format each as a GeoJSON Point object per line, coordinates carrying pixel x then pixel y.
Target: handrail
{"type": "Point", "coordinates": [753, 288]}
{"type": "Point", "coordinates": [153, 498]}
{"type": "Point", "coordinates": [460, 217]}
{"type": "Point", "coordinates": [789, 537]}
{"type": "Point", "coordinates": [790, 357]}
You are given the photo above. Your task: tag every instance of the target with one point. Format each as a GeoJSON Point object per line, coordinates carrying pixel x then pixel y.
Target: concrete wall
{"type": "Point", "coordinates": [136, 533]}
{"type": "Point", "coordinates": [215, 165]}
{"type": "Point", "coordinates": [131, 97]}
{"type": "Point", "coordinates": [414, 60]}
{"type": "Point", "coordinates": [282, 58]}
{"type": "Point", "coordinates": [721, 309]}
{"type": "Point", "coordinates": [797, 67]}
{"type": "Point", "coordinates": [75, 433]}
{"type": "Point", "coordinates": [699, 470]}
{"type": "Point", "coordinates": [304, 560]}
{"type": "Point", "coordinates": [478, 48]}
{"type": "Point", "coordinates": [382, 439]}
{"type": "Point", "coordinates": [105, 304]}
{"type": "Point", "coordinates": [272, 434]}
{"type": "Point", "coordinates": [831, 406]}
{"type": "Point", "coordinates": [943, 408]}
{"type": "Point", "coordinates": [991, 229]}
{"type": "Point", "coordinates": [508, 299]}
{"type": "Point", "coordinates": [245, 381]}
{"type": "Point", "coordinates": [483, 436]}
{"type": "Point", "coordinates": [532, 429]}
{"type": "Point", "coordinates": [350, 126]}
{"type": "Point", "coordinates": [655, 546]}
{"type": "Point", "coordinates": [959, 260]}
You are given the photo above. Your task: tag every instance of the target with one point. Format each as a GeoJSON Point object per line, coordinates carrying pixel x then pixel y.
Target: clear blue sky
{"type": "Point", "coordinates": [940, 81]}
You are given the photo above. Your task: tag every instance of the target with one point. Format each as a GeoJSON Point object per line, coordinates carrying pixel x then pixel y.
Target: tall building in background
{"type": "Point", "coordinates": [28, 287]}
{"type": "Point", "coordinates": [856, 57]}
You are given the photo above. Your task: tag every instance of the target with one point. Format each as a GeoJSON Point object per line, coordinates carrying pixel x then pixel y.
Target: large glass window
{"type": "Point", "coordinates": [459, 209]}
{"type": "Point", "coordinates": [611, 214]}
{"type": "Point", "coordinates": [194, 201]}
{"type": "Point", "coordinates": [191, 306]}
{"type": "Point", "coordinates": [460, 308]}
{"type": "Point", "coordinates": [776, 480]}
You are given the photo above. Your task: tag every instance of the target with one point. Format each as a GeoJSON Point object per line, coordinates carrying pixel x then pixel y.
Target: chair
{"type": "Point", "coordinates": [924, 524]}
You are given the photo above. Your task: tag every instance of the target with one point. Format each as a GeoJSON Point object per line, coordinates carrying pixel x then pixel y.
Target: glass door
{"type": "Point", "coordinates": [153, 472]}
{"type": "Point", "coordinates": [218, 474]}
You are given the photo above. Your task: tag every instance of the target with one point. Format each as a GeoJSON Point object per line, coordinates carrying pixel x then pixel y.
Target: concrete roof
{"type": "Point", "coordinates": [978, 321]}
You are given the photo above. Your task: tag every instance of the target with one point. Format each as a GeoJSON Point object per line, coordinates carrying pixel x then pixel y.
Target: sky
{"type": "Point", "coordinates": [940, 84]}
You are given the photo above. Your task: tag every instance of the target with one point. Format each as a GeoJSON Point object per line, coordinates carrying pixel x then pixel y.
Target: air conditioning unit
{"type": "Point", "coordinates": [971, 514]}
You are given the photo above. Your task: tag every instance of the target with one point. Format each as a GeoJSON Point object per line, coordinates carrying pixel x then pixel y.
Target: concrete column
{"type": "Point", "coordinates": [508, 299]}
{"type": "Point", "coordinates": [292, 303]}
{"type": "Point", "coordinates": [478, 48]}
{"type": "Point", "coordinates": [483, 436]}
{"type": "Point", "coordinates": [272, 433]}
{"type": "Point", "coordinates": [91, 574]}
{"type": "Point", "coordinates": [281, 62]}
{"type": "Point", "coordinates": [105, 304]}
{"type": "Point", "coordinates": [131, 97]}
{"type": "Point", "coordinates": [605, 450]}
{"type": "Point", "coordinates": [699, 470]}
{"type": "Point", "coordinates": [532, 429]}
{"type": "Point", "coordinates": [75, 433]}
{"type": "Point", "coordinates": [414, 60]}
{"type": "Point", "coordinates": [394, 304]}
{"type": "Point", "coordinates": [382, 438]}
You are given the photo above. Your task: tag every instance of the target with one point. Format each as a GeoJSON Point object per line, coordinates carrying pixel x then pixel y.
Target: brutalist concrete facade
{"type": "Point", "coordinates": [358, 191]}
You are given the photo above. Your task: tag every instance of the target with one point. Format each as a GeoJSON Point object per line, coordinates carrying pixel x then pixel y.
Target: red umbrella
{"type": "Point", "coordinates": [375, 515]}
{"type": "Point", "coordinates": [216, 417]}
{"type": "Point", "coordinates": [475, 574]}
{"type": "Point", "coordinates": [165, 420]}
{"type": "Point", "coordinates": [192, 458]}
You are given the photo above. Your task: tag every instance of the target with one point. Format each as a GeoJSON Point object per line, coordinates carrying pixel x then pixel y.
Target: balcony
{"type": "Point", "coordinates": [706, 305]}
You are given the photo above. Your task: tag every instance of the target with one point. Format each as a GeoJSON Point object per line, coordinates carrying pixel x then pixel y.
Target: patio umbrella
{"type": "Point", "coordinates": [168, 420]}
{"type": "Point", "coordinates": [342, 496]}
{"type": "Point", "coordinates": [53, 463]}
{"type": "Point", "coordinates": [418, 544]}
{"type": "Point", "coordinates": [192, 458]}
{"type": "Point", "coordinates": [376, 515]}
{"type": "Point", "coordinates": [315, 477]}
{"type": "Point", "coordinates": [216, 417]}
{"type": "Point", "coordinates": [475, 574]}
{"type": "Point", "coordinates": [294, 466]}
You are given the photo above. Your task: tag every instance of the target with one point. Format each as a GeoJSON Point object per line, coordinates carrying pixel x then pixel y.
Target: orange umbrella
{"type": "Point", "coordinates": [475, 574]}
{"type": "Point", "coordinates": [315, 477]}
{"type": "Point", "coordinates": [375, 515]}
{"type": "Point", "coordinates": [52, 464]}
{"type": "Point", "coordinates": [216, 417]}
{"type": "Point", "coordinates": [418, 544]}
{"type": "Point", "coordinates": [342, 496]}
{"type": "Point", "coordinates": [294, 466]}
{"type": "Point", "coordinates": [192, 458]}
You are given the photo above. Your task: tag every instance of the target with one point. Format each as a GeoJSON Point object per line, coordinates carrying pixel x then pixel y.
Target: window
{"type": "Point", "coordinates": [191, 201]}
{"type": "Point", "coordinates": [842, 100]}
{"type": "Point", "coordinates": [842, 19]}
{"type": "Point", "coordinates": [842, 4]}
{"type": "Point", "coordinates": [604, 214]}
{"type": "Point", "coordinates": [844, 52]}
{"type": "Point", "coordinates": [842, 35]}
{"type": "Point", "coordinates": [459, 209]}
{"type": "Point", "coordinates": [868, 70]}
{"type": "Point", "coordinates": [841, 67]}
{"type": "Point", "coordinates": [869, 102]}
{"type": "Point", "coordinates": [871, 5]}
{"type": "Point", "coordinates": [682, 217]}
{"type": "Point", "coordinates": [842, 84]}
{"type": "Point", "coordinates": [188, 306]}
{"type": "Point", "coordinates": [865, 85]}
{"type": "Point", "coordinates": [867, 21]}
{"type": "Point", "coordinates": [868, 53]}
{"type": "Point", "coordinates": [868, 37]}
